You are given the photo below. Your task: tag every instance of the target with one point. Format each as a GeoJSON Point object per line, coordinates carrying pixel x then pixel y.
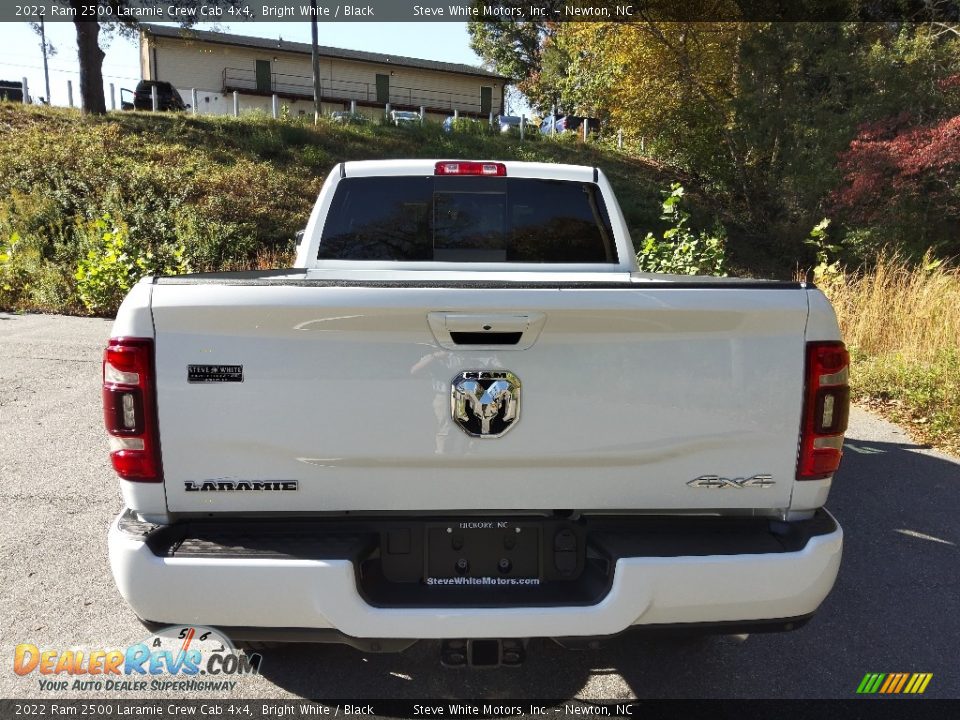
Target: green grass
{"type": "Point", "coordinates": [924, 396]}
{"type": "Point", "coordinates": [220, 192]}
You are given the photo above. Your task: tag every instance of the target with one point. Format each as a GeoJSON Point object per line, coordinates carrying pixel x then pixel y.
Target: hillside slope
{"type": "Point", "coordinates": [164, 192]}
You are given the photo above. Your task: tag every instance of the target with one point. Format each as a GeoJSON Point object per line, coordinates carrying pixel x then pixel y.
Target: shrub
{"type": "Point", "coordinates": [209, 244]}
{"type": "Point", "coordinates": [28, 281]}
{"type": "Point", "coordinates": [469, 126]}
{"type": "Point", "coordinates": [33, 248]}
{"type": "Point", "coordinates": [18, 263]}
{"type": "Point", "coordinates": [114, 264]}
{"type": "Point", "coordinates": [681, 251]}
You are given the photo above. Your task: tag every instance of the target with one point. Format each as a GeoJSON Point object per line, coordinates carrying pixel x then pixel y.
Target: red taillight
{"type": "Point", "coordinates": [826, 407]}
{"type": "Point", "coordinates": [129, 408]}
{"type": "Point", "coordinates": [458, 167]}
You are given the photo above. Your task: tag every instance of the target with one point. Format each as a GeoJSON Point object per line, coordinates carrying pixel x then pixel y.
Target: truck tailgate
{"type": "Point", "coordinates": [628, 394]}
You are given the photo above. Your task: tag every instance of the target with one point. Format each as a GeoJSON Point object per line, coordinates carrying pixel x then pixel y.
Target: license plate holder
{"type": "Point", "coordinates": [484, 549]}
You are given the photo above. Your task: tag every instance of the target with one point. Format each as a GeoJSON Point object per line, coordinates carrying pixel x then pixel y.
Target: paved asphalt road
{"type": "Point", "coordinates": [895, 606]}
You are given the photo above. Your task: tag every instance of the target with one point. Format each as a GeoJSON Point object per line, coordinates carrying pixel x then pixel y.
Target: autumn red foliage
{"type": "Point", "coordinates": [896, 163]}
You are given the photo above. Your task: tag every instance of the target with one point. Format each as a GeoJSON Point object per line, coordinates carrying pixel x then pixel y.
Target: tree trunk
{"type": "Point", "coordinates": [91, 63]}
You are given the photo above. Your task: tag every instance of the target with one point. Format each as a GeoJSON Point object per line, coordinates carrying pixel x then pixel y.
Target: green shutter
{"type": "Point", "coordinates": [383, 89]}
{"type": "Point", "coordinates": [486, 100]}
{"type": "Point", "coordinates": [264, 84]}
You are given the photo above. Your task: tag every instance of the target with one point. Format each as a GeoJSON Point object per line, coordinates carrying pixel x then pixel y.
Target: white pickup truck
{"type": "Point", "coordinates": [464, 415]}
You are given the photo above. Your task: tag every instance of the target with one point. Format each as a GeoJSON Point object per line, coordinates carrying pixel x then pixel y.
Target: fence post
{"type": "Point", "coordinates": [275, 106]}
{"type": "Point", "coordinates": [70, 93]}
{"type": "Point", "coordinates": [154, 98]}
{"type": "Point", "coordinates": [26, 92]}
{"type": "Point", "coordinates": [523, 125]}
{"type": "Point", "coordinates": [386, 111]}
{"type": "Point", "coordinates": [586, 128]}
{"type": "Point", "coordinates": [113, 98]}
{"type": "Point", "coordinates": [193, 102]}
{"type": "Point", "coordinates": [236, 104]}
{"type": "Point", "coordinates": [620, 139]}
{"type": "Point", "coordinates": [353, 107]}
{"type": "Point", "coordinates": [553, 120]}
{"type": "Point", "coordinates": [423, 114]}
{"type": "Point", "coordinates": [456, 113]}
{"type": "Point", "coordinates": [491, 120]}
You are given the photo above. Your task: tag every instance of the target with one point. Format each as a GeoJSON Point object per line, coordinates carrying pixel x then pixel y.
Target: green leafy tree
{"type": "Point", "coordinates": [513, 48]}
{"type": "Point", "coordinates": [521, 51]}
{"type": "Point", "coordinates": [759, 112]}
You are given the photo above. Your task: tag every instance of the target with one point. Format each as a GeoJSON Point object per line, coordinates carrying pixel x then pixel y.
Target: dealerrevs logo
{"type": "Point", "coordinates": [189, 658]}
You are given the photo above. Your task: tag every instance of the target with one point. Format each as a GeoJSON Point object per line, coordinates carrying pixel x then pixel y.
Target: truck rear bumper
{"type": "Point", "coordinates": [655, 578]}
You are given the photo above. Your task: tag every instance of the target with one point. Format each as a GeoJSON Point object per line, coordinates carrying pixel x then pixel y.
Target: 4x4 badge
{"type": "Point", "coordinates": [715, 482]}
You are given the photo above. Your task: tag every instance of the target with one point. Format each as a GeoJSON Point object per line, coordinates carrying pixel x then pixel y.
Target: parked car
{"type": "Point", "coordinates": [348, 118]}
{"type": "Point", "coordinates": [563, 123]}
{"type": "Point", "coordinates": [574, 123]}
{"type": "Point", "coordinates": [508, 123]}
{"type": "Point", "coordinates": [402, 118]}
{"type": "Point", "coordinates": [546, 125]}
{"type": "Point", "coordinates": [464, 414]}
{"type": "Point", "coordinates": [167, 96]}
{"type": "Point", "coordinates": [126, 99]}
{"type": "Point", "coordinates": [11, 90]}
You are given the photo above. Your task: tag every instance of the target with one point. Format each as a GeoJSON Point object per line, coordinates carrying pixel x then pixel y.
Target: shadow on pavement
{"type": "Point", "coordinates": [893, 609]}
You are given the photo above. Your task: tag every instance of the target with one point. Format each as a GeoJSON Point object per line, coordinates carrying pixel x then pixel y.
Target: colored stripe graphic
{"type": "Point", "coordinates": [918, 683]}
{"type": "Point", "coordinates": [891, 681]}
{"type": "Point", "coordinates": [894, 683]}
{"type": "Point", "coordinates": [870, 683]}
{"type": "Point", "coordinates": [903, 680]}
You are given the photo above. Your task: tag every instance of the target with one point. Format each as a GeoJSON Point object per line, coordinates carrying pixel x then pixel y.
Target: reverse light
{"type": "Point", "coordinates": [129, 408]}
{"type": "Point", "coordinates": [826, 409]}
{"type": "Point", "coordinates": [494, 169]}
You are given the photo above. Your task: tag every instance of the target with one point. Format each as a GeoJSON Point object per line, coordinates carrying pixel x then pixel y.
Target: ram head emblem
{"type": "Point", "coordinates": [485, 403]}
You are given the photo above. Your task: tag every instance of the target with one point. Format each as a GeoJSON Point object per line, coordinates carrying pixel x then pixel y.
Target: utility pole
{"type": "Point", "coordinates": [315, 59]}
{"type": "Point", "coordinates": [46, 70]}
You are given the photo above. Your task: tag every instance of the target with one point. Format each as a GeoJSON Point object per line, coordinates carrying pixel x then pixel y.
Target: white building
{"type": "Point", "coordinates": [217, 64]}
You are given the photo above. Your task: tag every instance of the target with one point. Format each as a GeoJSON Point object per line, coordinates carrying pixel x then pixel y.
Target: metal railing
{"type": "Point", "coordinates": [243, 79]}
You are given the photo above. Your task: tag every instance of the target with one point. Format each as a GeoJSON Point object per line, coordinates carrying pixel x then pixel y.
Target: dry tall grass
{"type": "Point", "coordinates": [896, 307]}
{"type": "Point", "coordinates": [902, 324]}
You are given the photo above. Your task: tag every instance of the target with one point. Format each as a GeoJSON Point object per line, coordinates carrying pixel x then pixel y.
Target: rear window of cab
{"type": "Point", "coordinates": [467, 219]}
